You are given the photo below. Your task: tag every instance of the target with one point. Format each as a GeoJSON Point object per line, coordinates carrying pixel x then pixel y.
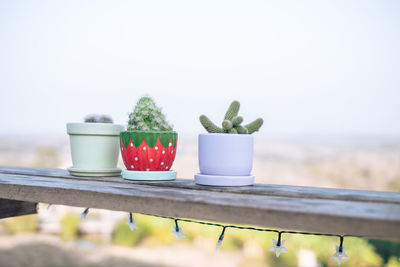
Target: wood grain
{"type": "Point", "coordinates": [337, 211]}
{"type": "Point", "coordinates": [257, 189]}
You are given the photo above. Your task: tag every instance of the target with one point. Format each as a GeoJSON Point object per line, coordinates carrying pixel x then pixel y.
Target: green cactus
{"type": "Point", "coordinates": [255, 125]}
{"type": "Point", "coordinates": [98, 118]}
{"type": "Point", "coordinates": [241, 130]}
{"type": "Point", "coordinates": [105, 119]}
{"type": "Point", "coordinates": [232, 122]}
{"type": "Point", "coordinates": [148, 117]}
{"type": "Point", "coordinates": [237, 120]}
{"type": "Point", "coordinates": [91, 118]}
{"type": "Point", "coordinates": [209, 125]}
{"type": "Point", "coordinates": [233, 110]}
{"type": "Point", "coordinates": [227, 125]}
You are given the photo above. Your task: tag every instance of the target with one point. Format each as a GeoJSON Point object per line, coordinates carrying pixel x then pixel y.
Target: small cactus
{"type": "Point", "coordinates": [105, 119]}
{"type": "Point", "coordinates": [227, 124]}
{"type": "Point", "coordinates": [232, 111]}
{"type": "Point", "coordinates": [148, 117]}
{"type": "Point", "coordinates": [209, 125]}
{"type": "Point", "coordinates": [237, 120]}
{"type": "Point", "coordinates": [233, 131]}
{"type": "Point", "coordinates": [232, 122]}
{"type": "Point", "coordinates": [94, 118]}
{"type": "Point", "coordinates": [241, 130]}
{"type": "Point", "coordinates": [254, 126]}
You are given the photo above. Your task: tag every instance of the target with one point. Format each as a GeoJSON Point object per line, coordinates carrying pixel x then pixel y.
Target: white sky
{"type": "Point", "coordinates": [306, 67]}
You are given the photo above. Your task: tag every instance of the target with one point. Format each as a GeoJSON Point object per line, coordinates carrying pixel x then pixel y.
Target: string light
{"type": "Point", "coordinates": [131, 222]}
{"type": "Point", "coordinates": [277, 245]}
{"type": "Point", "coordinates": [84, 214]}
{"type": "Point", "coordinates": [340, 252]}
{"type": "Point", "coordinates": [221, 238]}
{"type": "Point", "coordinates": [177, 230]}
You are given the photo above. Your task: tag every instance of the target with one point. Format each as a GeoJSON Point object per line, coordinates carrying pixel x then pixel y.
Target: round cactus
{"type": "Point", "coordinates": [148, 117]}
{"type": "Point", "coordinates": [98, 118]}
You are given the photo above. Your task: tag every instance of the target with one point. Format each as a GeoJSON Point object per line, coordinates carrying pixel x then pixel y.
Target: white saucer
{"type": "Point", "coordinates": [218, 180]}
{"type": "Point", "coordinates": [94, 172]}
{"type": "Point", "coordinates": [149, 175]}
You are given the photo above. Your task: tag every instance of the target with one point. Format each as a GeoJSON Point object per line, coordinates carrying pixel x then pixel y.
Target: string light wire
{"type": "Point", "coordinates": [278, 245]}
{"type": "Point", "coordinates": [255, 228]}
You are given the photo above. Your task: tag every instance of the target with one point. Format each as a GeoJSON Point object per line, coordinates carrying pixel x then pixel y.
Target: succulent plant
{"type": "Point", "coordinates": [98, 118]}
{"type": "Point", "coordinates": [232, 122]}
{"type": "Point", "coordinates": [148, 117]}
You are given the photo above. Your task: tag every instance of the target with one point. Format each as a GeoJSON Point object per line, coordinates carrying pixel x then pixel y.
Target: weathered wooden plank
{"type": "Point", "coordinates": [378, 218]}
{"type": "Point", "coordinates": [11, 208]}
{"type": "Point", "coordinates": [257, 189]}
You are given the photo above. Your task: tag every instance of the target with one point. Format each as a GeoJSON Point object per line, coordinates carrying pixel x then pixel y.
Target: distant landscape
{"type": "Point", "coordinates": [371, 163]}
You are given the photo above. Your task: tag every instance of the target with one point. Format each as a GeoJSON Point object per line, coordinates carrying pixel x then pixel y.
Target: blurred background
{"type": "Point", "coordinates": [324, 75]}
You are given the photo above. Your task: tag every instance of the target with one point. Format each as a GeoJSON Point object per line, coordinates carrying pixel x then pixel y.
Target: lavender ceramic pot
{"type": "Point", "coordinates": [225, 159]}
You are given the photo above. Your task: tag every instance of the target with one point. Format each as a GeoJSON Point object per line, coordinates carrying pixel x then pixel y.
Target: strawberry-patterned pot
{"type": "Point", "coordinates": [148, 155]}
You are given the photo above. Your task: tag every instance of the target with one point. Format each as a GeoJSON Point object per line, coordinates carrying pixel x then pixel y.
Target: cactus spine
{"type": "Point", "coordinates": [233, 131]}
{"type": "Point", "coordinates": [147, 116]}
{"type": "Point", "coordinates": [241, 130]}
{"type": "Point", "coordinates": [237, 120]}
{"type": "Point", "coordinates": [232, 122]}
{"type": "Point", "coordinates": [227, 125]}
{"type": "Point", "coordinates": [209, 125]}
{"type": "Point", "coordinates": [232, 111]}
{"type": "Point", "coordinates": [255, 125]}
{"type": "Point", "coordinates": [98, 118]}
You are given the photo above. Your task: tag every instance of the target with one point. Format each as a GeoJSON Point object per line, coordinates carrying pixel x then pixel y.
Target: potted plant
{"type": "Point", "coordinates": [94, 146]}
{"type": "Point", "coordinates": [148, 147]}
{"type": "Point", "coordinates": [226, 154]}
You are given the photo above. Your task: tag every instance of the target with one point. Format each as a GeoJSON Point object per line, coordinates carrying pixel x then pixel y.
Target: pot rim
{"type": "Point", "coordinates": [94, 128]}
{"type": "Point", "coordinates": [142, 131]}
{"type": "Point", "coordinates": [228, 135]}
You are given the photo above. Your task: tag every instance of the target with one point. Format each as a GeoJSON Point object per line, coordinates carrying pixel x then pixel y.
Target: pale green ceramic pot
{"type": "Point", "coordinates": [94, 148]}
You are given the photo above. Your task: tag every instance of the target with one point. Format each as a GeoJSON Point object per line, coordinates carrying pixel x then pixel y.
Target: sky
{"type": "Point", "coordinates": [305, 67]}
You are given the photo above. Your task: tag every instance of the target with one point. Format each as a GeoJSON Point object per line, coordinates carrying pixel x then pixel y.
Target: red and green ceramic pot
{"type": "Point", "coordinates": [148, 155]}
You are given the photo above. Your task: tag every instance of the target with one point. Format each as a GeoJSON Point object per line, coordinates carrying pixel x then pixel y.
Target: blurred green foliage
{"type": "Point", "coordinates": [70, 226]}
{"type": "Point", "coordinates": [122, 235]}
{"type": "Point", "coordinates": [358, 250]}
{"type": "Point", "coordinates": [386, 249]}
{"type": "Point", "coordinates": [21, 224]}
{"type": "Point", "coordinates": [148, 227]}
{"type": "Point", "coordinates": [393, 262]}
{"type": "Point", "coordinates": [156, 231]}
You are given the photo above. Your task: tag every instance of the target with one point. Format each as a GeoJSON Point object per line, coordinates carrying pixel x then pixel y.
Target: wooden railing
{"type": "Point", "coordinates": [325, 210]}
